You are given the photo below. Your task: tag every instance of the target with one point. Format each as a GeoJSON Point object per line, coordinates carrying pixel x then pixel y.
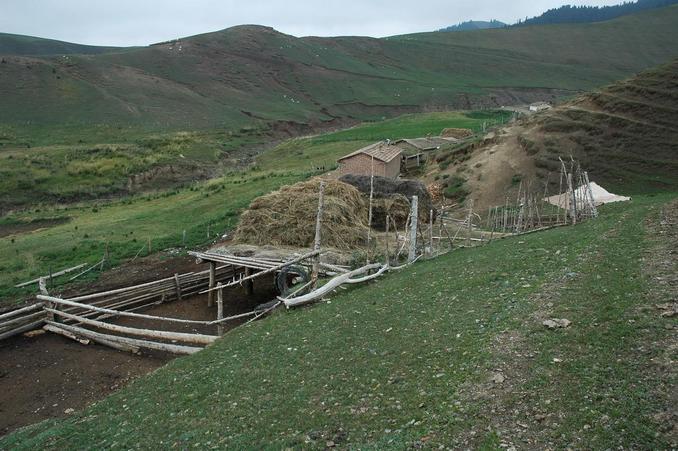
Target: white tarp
{"type": "Point", "coordinates": [600, 196]}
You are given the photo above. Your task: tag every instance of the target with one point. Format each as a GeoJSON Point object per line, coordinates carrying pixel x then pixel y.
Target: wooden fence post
{"type": "Point", "coordinates": [249, 284]}
{"type": "Point", "coordinates": [213, 276]}
{"type": "Point", "coordinates": [414, 215]}
{"type": "Point", "coordinates": [316, 243]}
{"type": "Point", "coordinates": [594, 210]}
{"type": "Point", "coordinates": [469, 229]}
{"type": "Point", "coordinates": [388, 257]}
{"type": "Point", "coordinates": [178, 286]}
{"type": "Point", "coordinates": [430, 233]}
{"type": "Point", "coordinates": [220, 308]}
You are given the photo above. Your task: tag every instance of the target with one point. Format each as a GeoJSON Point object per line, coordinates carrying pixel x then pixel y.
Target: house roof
{"type": "Point", "coordinates": [379, 151]}
{"type": "Point", "coordinates": [430, 143]}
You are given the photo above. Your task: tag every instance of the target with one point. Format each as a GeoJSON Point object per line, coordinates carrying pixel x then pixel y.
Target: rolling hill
{"type": "Point", "coordinates": [249, 75]}
{"type": "Point", "coordinates": [625, 135]}
{"type": "Point", "coordinates": [14, 44]}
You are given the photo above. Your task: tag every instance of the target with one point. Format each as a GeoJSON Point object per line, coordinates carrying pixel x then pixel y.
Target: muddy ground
{"type": "Point", "coordinates": [47, 375]}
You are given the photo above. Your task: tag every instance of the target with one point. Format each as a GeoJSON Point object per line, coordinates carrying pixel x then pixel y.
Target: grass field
{"type": "Point", "coordinates": [408, 361]}
{"type": "Point", "coordinates": [42, 167]}
{"type": "Point", "coordinates": [126, 226]}
{"type": "Point", "coordinates": [324, 150]}
{"type": "Point", "coordinates": [48, 238]}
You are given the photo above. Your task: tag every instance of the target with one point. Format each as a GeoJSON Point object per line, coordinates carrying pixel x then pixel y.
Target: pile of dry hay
{"type": "Point", "coordinates": [459, 133]}
{"type": "Point", "coordinates": [287, 217]}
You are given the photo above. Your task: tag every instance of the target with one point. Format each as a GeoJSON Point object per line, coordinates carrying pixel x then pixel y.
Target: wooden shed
{"type": "Point", "coordinates": [382, 157]}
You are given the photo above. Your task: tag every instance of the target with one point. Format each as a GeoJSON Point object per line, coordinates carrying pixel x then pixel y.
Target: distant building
{"type": "Point", "coordinates": [424, 144]}
{"type": "Point", "coordinates": [539, 106]}
{"type": "Point", "coordinates": [383, 156]}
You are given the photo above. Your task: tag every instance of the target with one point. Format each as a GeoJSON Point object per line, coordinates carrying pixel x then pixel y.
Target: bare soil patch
{"type": "Point", "coordinates": [49, 374]}
{"type": "Point", "coordinates": [25, 227]}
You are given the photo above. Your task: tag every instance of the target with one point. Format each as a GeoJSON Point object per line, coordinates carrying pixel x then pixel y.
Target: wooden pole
{"type": "Point", "coordinates": [220, 309]}
{"type": "Point", "coordinates": [249, 283]}
{"type": "Point", "coordinates": [414, 215]}
{"type": "Point", "coordinates": [178, 286]}
{"type": "Point", "coordinates": [369, 215]}
{"type": "Point", "coordinates": [573, 199]}
{"type": "Point", "coordinates": [430, 232]}
{"type": "Point", "coordinates": [213, 277]}
{"type": "Point", "coordinates": [388, 256]}
{"type": "Point", "coordinates": [594, 210]}
{"type": "Point", "coordinates": [266, 271]}
{"type": "Point", "coordinates": [316, 242]}
{"type": "Point", "coordinates": [469, 219]}
{"type": "Point", "coordinates": [177, 349]}
{"type": "Point", "coordinates": [50, 275]}
{"type": "Point", "coordinates": [160, 334]}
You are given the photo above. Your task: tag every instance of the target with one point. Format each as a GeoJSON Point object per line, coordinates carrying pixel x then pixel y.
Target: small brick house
{"type": "Point", "coordinates": [384, 156]}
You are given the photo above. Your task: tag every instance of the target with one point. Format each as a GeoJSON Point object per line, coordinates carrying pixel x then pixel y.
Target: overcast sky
{"type": "Point", "coordinates": [142, 22]}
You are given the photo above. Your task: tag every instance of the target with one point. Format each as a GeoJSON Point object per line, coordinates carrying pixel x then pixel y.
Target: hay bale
{"type": "Point", "coordinates": [396, 206]}
{"type": "Point", "coordinates": [385, 188]}
{"type": "Point", "coordinates": [459, 133]}
{"type": "Point", "coordinates": [287, 217]}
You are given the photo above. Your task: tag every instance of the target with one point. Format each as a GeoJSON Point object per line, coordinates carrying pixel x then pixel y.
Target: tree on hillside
{"type": "Point", "coordinates": [585, 14]}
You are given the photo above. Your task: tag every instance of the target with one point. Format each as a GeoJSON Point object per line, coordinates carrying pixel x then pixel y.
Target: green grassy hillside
{"type": "Point", "coordinates": [47, 236]}
{"type": "Point", "coordinates": [250, 74]}
{"type": "Point", "coordinates": [626, 134]}
{"type": "Point", "coordinates": [449, 352]}
{"type": "Point", "coordinates": [14, 44]}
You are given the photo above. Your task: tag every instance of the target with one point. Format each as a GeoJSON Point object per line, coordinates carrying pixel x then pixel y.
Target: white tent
{"type": "Point", "coordinates": [600, 196]}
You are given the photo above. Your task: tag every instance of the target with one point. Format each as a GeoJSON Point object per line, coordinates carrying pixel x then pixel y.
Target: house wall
{"type": "Point", "coordinates": [361, 164]}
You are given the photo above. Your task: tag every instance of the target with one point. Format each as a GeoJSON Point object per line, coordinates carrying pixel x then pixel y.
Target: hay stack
{"type": "Point", "coordinates": [287, 217]}
{"type": "Point", "coordinates": [400, 190]}
{"type": "Point", "coordinates": [459, 133]}
{"type": "Point", "coordinates": [396, 206]}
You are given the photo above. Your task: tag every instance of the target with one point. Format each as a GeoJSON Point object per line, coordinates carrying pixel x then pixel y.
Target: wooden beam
{"type": "Point", "coordinates": [16, 312]}
{"type": "Point", "coordinates": [414, 215]}
{"type": "Point", "coordinates": [160, 334]}
{"type": "Point", "coordinates": [213, 278]}
{"type": "Point", "coordinates": [176, 349]}
{"type": "Point", "coordinates": [56, 274]}
{"type": "Point", "coordinates": [267, 271]}
{"type": "Point", "coordinates": [71, 303]}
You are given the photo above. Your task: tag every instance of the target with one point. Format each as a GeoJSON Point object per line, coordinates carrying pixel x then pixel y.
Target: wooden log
{"type": "Point", "coordinates": [22, 310]}
{"type": "Point", "coordinates": [50, 276]}
{"type": "Point", "coordinates": [334, 284]}
{"type": "Point", "coordinates": [32, 317]}
{"type": "Point", "coordinates": [148, 333]}
{"type": "Point", "coordinates": [71, 303]}
{"type": "Point", "coordinates": [220, 309]}
{"type": "Point", "coordinates": [21, 329]}
{"type": "Point", "coordinates": [176, 349]}
{"type": "Point", "coordinates": [316, 241]}
{"type": "Point", "coordinates": [249, 284]}
{"type": "Point", "coordinates": [213, 279]}
{"type": "Point", "coordinates": [65, 333]}
{"type": "Point", "coordinates": [99, 263]}
{"type": "Point", "coordinates": [388, 251]}
{"type": "Point", "coordinates": [178, 286]}
{"type": "Point", "coordinates": [335, 268]}
{"type": "Point", "coordinates": [269, 270]}
{"type": "Point", "coordinates": [414, 215]}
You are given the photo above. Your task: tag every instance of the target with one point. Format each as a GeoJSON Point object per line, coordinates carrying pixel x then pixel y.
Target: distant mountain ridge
{"type": "Point", "coordinates": [475, 25]}
{"type": "Point", "coordinates": [587, 14]}
{"type": "Point", "coordinates": [253, 76]}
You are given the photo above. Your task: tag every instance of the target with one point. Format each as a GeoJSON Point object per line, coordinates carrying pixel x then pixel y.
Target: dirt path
{"type": "Point", "coordinates": [48, 375]}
